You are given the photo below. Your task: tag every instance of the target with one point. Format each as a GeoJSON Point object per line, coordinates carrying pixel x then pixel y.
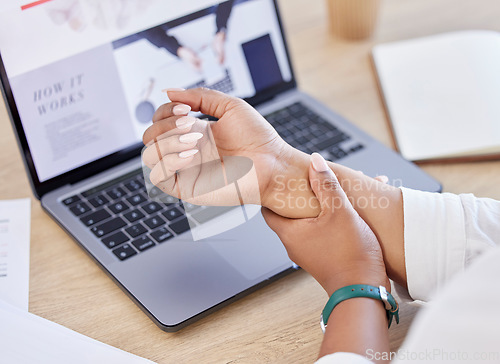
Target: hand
{"type": "Point", "coordinates": [190, 56]}
{"type": "Point", "coordinates": [219, 46]}
{"type": "Point", "coordinates": [337, 248]}
{"type": "Point", "coordinates": [282, 171]}
{"type": "Point", "coordinates": [240, 131]}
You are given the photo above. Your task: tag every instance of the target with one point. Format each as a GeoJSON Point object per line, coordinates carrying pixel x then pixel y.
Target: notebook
{"type": "Point", "coordinates": [442, 94]}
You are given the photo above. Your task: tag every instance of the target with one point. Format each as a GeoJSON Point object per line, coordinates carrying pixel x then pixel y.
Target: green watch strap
{"type": "Point", "coordinates": [361, 290]}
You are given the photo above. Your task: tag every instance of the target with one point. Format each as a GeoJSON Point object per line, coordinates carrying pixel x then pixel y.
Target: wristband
{"type": "Point", "coordinates": [361, 290]}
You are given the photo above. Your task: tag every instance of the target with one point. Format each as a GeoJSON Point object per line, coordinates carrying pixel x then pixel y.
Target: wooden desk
{"type": "Point", "coordinates": [280, 322]}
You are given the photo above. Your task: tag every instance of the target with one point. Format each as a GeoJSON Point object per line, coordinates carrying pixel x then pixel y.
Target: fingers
{"type": "Point", "coordinates": [171, 109]}
{"type": "Point", "coordinates": [167, 127]}
{"type": "Point", "coordinates": [166, 169]}
{"type": "Point", "coordinates": [209, 102]}
{"type": "Point", "coordinates": [326, 186]}
{"type": "Point", "coordinates": [383, 179]}
{"type": "Point", "coordinates": [155, 152]}
{"type": "Point", "coordinates": [276, 222]}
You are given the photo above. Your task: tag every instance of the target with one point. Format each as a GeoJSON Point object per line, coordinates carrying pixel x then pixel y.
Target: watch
{"type": "Point", "coordinates": [361, 290]}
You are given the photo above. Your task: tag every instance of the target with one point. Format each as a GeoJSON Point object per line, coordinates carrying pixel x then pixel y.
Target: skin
{"type": "Point", "coordinates": [190, 56]}
{"type": "Point", "coordinates": [282, 171]}
{"type": "Point", "coordinates": [359, 241]}
{"type": "Point", "coordinates": [218, 46]}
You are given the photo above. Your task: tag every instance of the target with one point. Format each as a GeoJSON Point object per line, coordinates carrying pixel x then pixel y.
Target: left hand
{"type": "Point", "coordinates": [337, 248]}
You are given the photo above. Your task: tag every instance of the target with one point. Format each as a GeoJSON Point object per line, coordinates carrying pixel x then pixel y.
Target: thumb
{"type": "Point", "coordinates": [326, 186]}
{"type": "Point", "coordinates": [209, 102]}
{"type": "Point", "coordinates": [276, 222]}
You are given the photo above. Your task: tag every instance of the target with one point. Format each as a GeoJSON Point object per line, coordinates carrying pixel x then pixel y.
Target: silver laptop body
{"type": "Point", "coordinates": [99, 200]}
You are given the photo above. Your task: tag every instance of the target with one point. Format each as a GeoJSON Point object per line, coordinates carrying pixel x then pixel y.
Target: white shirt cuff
{"type": "Point", "coordinates": [343, 358]}
{"type": "Point", "coordinates": [434, 234]}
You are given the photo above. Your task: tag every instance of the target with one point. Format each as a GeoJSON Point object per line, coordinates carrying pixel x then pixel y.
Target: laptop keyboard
{"type": "Point", "coordinates": [121, 215]}
{"type": "Point", "coordinates": [305, 130]}
{"type": "Point", "coordinates": [225, 85]}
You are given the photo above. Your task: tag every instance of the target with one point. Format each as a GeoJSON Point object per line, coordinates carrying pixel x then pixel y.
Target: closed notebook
{"type": "Point", "coordinates": [442, 94]}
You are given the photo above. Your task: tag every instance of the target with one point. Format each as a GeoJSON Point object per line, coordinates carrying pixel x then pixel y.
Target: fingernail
{"type": "Point", "coordinates": [191, 137]}
{"type": "Point", "coordinates": [173, 89]}
{"type": "Point", "coordinates": [319, 163]}
{"type": "Point", "coordinates": [188, 153]}
{"type": "Point", "coordinates": [383, 179]}
{"type": "Point", "coordinates": [185, 122]}
{"type": "Point", "coordinates": [181, 109]}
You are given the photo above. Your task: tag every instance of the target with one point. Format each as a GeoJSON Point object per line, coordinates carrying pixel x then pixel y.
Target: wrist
{"type": "Point", "coordinates": [288, 192]}
{"type": "Point", "coordinates": [346, 278]}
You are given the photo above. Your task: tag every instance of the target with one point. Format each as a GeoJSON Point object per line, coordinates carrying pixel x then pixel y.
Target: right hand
{"type": "Point", "coordinates": [337, 248]}
{"type": "Point", "coordinates": [190, 56]}
{"type": "Point", "coordinates": [281, 171]}
{"type": "Point", "coordinates": [240, 131]}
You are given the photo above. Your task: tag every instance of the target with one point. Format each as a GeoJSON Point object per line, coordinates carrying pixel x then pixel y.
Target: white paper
{"type": "Point", "coordinates": [15, 251]}
{"type": "Point", "coordinates": [442, 93]}
{"type": "Point", "coordinates": [26, 338]}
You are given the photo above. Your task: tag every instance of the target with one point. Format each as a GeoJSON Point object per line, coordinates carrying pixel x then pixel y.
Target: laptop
{"type": "Point", "coordinates": [81, 80]}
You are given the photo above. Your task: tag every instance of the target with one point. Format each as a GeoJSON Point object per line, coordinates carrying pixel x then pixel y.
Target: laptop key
{"type": "Point", "coordinates": [180, 226]}
{"type": "Point", "coordinates": [98, 201]}
{"type": "Point", "coordinates": [154, 192]}
{"type": "Point", "coordinates": [124, 252]}
{"type": "Point", "coordinates": [136, 199]}
{"type": "Point", "coordinates": [80, 208]}
{"type": "Point", "coordinates": [143, 243]}
{"type": "Point", "coordinates": [95, 217]}
{"type": "Point", "coordinates": [116, 193]}
{"type": "Point", "coordinates": [108, 227]}
{"type": "Point", "coordinates": [118, 207]}
{"type": "Point", "coordinates": [356, 148]}
{"type": "Point", "coordinates": [338, 153]}
{"type": "Point", "coordinates": [154, 222]}
{"type": "Point", "coordinates": [172, 214]}
{"type": "Point", "coordinates": [301, 140]}
{"type": "Point", "coordinates": [151, 207]}
{"type": "Point", "coordinates": [210, 213]}
{"type": "Point", "coordinates": [167, 199]}
{"type": "Point", "coordinates": [189, 207]}
{"type": "Point", "coordinates": [114, 240]}
{"type": "Point", "coordinates": [71, 200]}
{"type": "Point", "coordinates": [136, 230]}
{"type": "Point", "coordinates": [134, 185]}
{"type": "Point", "coordinates": [134, 215]}
{"type": "Point", "coordinates": [331, 141]}
{"type": "Point", "coordinates": [162, 234]}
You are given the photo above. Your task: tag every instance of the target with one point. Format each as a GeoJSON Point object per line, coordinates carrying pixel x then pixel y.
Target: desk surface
{"type": "Point", "coordinates": [279, 323]}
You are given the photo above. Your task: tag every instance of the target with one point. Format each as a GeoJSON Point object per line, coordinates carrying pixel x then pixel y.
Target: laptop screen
{"type": "Point", "coordinates": [86, 75]}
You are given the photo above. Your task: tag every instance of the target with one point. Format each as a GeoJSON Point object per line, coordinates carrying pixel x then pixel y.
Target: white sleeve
{"type": "Point", "coordinates": [343, 358]}
{"type": "Point", "coordinates": [443, 234]}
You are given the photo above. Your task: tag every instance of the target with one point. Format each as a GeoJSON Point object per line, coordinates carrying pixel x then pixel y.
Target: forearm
{"type": "Point", "coordinates": [380, 205]}
{"type": "Point", "coordinates": [357, 325]}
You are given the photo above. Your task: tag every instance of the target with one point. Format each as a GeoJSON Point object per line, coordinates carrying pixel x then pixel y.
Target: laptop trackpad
{"type": "Point", "coordinates": [252, 248]}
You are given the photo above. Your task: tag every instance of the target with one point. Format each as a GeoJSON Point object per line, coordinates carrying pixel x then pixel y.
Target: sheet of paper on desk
{"type": "Point", "coordinates": [26, 338]}
{"type": "Point", "coordinates": [15, 251]}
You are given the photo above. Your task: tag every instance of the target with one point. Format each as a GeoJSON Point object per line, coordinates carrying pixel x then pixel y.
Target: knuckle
{"type": "Point", "coordinates": [204, 89]}
{"type": "Point", "coordinates": [330, 184]}
{"type": "Point", "coordinates": [223, 106]}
